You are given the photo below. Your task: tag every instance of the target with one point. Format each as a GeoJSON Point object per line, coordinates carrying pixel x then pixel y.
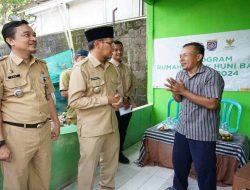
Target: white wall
{"type": "Point", "coordinates": [48, 22]}
{"type": "Point", "coordinates": [81, 14]}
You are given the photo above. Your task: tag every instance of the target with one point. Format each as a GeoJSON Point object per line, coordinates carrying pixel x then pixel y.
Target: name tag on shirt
{"type": "Point", "coordinates": [13, 76]}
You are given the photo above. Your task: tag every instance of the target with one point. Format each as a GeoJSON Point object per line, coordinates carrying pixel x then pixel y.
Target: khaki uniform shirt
{"type": "Point", "coordinates": [32, 79]}
{"type": "Point", "coordinates": [64, 80]}
{"type": "Point", "coordinates": [127, 78]}
{"type": "Point", "coordinates": [89, 88]}
{"type": "Point", "coordinates": [64, 85]}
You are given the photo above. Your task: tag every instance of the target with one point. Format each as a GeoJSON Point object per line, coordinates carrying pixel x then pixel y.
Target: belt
{"type": "Point", "coordinates": [36, 125]}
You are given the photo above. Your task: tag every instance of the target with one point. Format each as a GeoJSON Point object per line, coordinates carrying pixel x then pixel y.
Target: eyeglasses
{"type": "Point", "coordinates": [106, 42]}
{"type": "Point", "coordinates": [186, 55]}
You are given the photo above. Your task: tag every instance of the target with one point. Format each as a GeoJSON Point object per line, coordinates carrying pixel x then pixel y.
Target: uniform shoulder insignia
{"type": "Point", "coordinates": [85, 60]}
{"type": "Point", "coordinates": [41, 60]}
{"type": "Point", "coordinates": [4, 57]}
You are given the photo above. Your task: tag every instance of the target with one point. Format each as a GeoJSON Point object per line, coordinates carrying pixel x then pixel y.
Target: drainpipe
{"type": "Point", "coordinates": [66, 12]}
{"type": "Point", "coordinates": [113, 16]}
{"type": "Point", "coordinates": [64, 22]}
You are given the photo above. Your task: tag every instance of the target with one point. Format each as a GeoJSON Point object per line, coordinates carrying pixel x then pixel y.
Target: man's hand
{"type": "Point", "coordinates": [117, 104]}
{"type": "Point", "coordinates": [55, 132]}
{"type": "Point", "coordinates": [176, 87]}
{"type": "Point", "coordinates": [170, 82]}
{"type": "Point", "coordinates": [5, 153]}
{"type": "Point", "coordinates": [115, 101]}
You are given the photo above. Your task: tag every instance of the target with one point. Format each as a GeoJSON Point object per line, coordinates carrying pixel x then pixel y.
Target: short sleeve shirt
{"type": "Point", "coordinates": [197, 122]}
{"type": "Point", "coordinates": [33, 80]}
{"type": "Point", "coordinates": [64, 86]}
{"type": "Point", "coordinates": [64, 80]}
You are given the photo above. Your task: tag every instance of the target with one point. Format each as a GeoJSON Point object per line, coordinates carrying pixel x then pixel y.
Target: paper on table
{"type": "Point", "coordinates": [122, 110]}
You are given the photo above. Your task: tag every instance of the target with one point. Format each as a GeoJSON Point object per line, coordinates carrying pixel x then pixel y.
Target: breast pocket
{"type": "Point", "coordinates": [12, 85]}
{"type": "Point", "coordinates": [96, 85]}
{"type": "Point", "coordinates": [198, 89]}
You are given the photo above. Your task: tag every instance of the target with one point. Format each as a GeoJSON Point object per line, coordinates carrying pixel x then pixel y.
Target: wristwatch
{"type": "Point", "coordinates": [2, 142]}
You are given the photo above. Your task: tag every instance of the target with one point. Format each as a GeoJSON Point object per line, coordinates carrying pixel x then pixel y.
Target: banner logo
{"type": "Point", "coordinates": [211, 45]}
{"type": "Point", "coordinates": [230, 42]}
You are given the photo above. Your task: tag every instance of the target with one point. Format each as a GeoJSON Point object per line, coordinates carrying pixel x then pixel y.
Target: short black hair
{"type": "Point", "coordinates": [116, 42]}
{"type": "Point", "coordinates": [198, 47]}
{"type": "Point", "coordinates": [9, 29]}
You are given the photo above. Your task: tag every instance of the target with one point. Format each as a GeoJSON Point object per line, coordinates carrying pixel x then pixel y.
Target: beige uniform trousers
{"type": "Point", "coordinates": [91, 149]}
{"type": "Point", "coordinates": [29, 168]}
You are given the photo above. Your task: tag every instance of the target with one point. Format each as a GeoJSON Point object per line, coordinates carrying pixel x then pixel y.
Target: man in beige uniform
{"type": "Point", "coordinates": [127, 85]}
{"type": "Point", "coordinates": [93, 91]}
{"type": "Point", "coordinates": [64, 85]}
{"type": "Point", "coordinates": [26, 105]}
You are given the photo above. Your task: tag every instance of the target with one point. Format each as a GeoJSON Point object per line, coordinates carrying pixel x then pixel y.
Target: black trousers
{"type": "Point", "coordinates": [202, 154]}
{"type": "Point", "coordinates": [123, 122]}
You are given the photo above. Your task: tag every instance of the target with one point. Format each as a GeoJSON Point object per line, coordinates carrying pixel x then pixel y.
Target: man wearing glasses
{"type": "Point", "coordinates": [199, 89]}
{"type": "Point", "coordinates": [94, 90]}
